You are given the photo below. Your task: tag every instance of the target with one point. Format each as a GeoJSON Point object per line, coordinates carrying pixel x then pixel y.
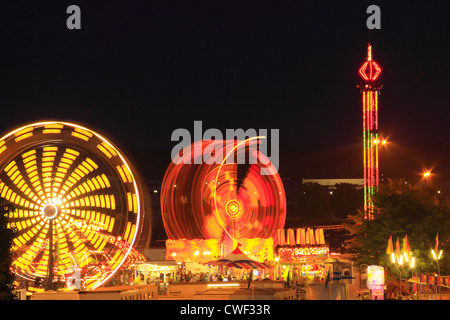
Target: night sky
{"type": "Point", "coordinates": [137, 70]}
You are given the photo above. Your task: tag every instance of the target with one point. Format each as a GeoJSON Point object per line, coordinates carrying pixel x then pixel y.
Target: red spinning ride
{"type": "Point", "coordinates": [223, 199]}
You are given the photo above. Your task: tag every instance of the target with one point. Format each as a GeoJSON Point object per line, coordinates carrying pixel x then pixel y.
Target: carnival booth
{"type": "Point", "coordinates": [238, 260]}
{"type": "Point", "coordinates": [197, 255]}
{"type": "Point", "coordinates": [302, 255]}
{"type": "Point", "coordinates": [151, 272]}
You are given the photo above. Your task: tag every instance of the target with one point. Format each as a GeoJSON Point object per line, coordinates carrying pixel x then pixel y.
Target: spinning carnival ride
{"type": "Point", "coordinates": [78, 204]}
{"type": "Point", "coordinates": [222, 199]}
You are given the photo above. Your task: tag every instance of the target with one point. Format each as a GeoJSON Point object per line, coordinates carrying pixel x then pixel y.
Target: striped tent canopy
{"type": "Point", "coordinates": [237, 259]}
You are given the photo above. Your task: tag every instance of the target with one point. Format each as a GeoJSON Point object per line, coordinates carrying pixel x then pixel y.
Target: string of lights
{"type": "Point", "coordinates": [370, 90]}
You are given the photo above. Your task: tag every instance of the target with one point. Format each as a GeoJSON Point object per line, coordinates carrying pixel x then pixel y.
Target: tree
{"type": "Point", "coordinates": [6, 242]}
{"type": "Point", "coordinates": [401, 210]}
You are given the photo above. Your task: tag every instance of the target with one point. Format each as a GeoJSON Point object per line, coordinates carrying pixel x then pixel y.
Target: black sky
{"type": "Point", "coordinates": [137, 70]}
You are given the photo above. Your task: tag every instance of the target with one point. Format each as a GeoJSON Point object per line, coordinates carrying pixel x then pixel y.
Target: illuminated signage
{"type": "Point", "coordinates": [375, 281]}
{"type": "Point", "coordinates": [302, 252]}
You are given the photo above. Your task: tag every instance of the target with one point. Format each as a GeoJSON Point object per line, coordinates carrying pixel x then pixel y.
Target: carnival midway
{"type": "Point", "coordinates": [82, 220]}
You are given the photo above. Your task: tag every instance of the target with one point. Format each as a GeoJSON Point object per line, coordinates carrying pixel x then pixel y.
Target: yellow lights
{"type": "Point", "coordinates": [23, 134]}
{"type": "Point", "coordinates": [401, 257]}
{"type": "Point", "coordinates": [223, 285]}
{"type": "Point", "coordinates": [81, 133]}
{"type": "Point", "coordinates": [132, 202]}
{"type": "Point", "coordinates": [124, 174]}
{"type": "Point", "coordinates": [400, 260]}
{"type": "Point", "coordinates": [436, 257]}
{"type": "Point", "coordinates": [61, 191]}
{"type": "Point", "coordinates": [413, 262]}
{"type": "Point", "coordinates": [426, 174]}
{"type": "Point", "coordinates": [197, 250]}
{"type": "Point", "coordinates": [107, 149]}
{"type": "Point", "coordinates": [406, 257]}
{"type": "Point", "coordinates": [381, 142]}
{"type": "Point", "coordinates": [233, 208]}
{"type": "Point", "coordinates": [2, 146]}
{"type": "Point", "coordinates": [52, 128]}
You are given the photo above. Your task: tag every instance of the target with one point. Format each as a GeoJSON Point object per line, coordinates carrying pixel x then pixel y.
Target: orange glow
{"type": "Point", "coordinates": [204, 250]}
{"type": "Point", "coordinates": [209, 202]}
{"type": "Point", "coordinates": [184, 250]}
{"type": "Point", "coordinates": [233, 208]}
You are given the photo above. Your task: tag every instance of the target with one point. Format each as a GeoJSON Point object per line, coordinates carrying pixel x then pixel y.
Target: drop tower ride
{"type": "Point", "coordinates": [370, 88]}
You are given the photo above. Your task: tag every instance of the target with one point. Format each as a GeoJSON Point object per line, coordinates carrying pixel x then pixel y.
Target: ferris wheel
{"type": "Point", "coordinates": [224, 198]}
{"type": "Point", "coordinates": [78, 204]}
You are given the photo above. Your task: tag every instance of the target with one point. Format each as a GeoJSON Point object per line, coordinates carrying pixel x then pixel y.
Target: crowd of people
{"type": "Point", "coordinates": [162, 280]}
{"type": "Point", "coordinates": [127, 277]}
{"type": "Point", "coordinates": [206, 277]}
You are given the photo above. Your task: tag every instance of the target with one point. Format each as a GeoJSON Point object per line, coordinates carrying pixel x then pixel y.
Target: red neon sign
{"type": "Point", "coordinates": [370, 70]}
{"type": "Point", "coordinates": [302, 252]}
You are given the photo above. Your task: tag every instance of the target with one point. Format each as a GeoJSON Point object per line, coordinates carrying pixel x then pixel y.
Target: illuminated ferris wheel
{"type": "Point", "coordinates": [78, 204]}
{"type": "Point", "coordinates": [224, 198]}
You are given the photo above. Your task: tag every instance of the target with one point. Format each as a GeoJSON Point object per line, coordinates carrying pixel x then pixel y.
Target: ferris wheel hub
{"type": "Point", "coordinates": [50, 211]}
{"type": "Point", "coordinates": [233, 208]}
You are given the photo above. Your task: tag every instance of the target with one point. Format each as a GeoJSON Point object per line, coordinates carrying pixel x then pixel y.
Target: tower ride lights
{"type": "Point", "coordinates": [370, 89]}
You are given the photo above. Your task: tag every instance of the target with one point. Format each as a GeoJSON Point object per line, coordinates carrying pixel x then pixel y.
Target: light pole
{"type": "Point", "coordinates": [426, 176]}
{"type": "Point", "coordinates": [437, 257]}
{"type": "Point", "coordinates": [412, 263]}
{"type": "Point", "coordinates": [398, 262]}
